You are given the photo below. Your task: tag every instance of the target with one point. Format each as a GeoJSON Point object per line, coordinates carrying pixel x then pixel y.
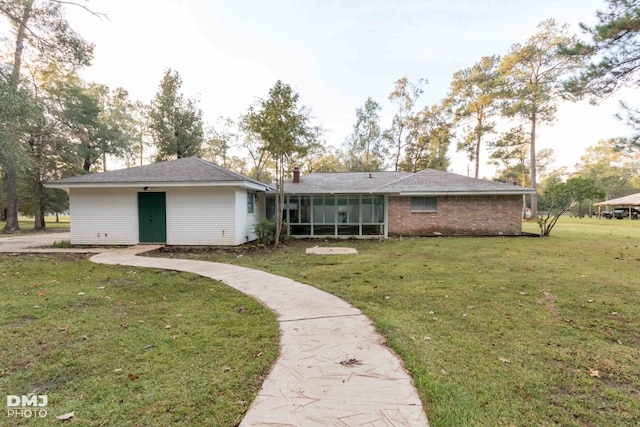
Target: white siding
{"type": "Point", "coordinates": [245, 221]}
{"type": "Point", "coordinates": [104, 216]}
{"type": "Point", "coordinates": [201, 216]}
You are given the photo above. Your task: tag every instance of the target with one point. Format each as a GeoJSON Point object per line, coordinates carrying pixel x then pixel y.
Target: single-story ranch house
{"type": "Point", "coordinates": [190, 201]}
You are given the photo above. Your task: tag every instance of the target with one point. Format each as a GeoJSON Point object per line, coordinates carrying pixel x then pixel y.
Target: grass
{"type": "Point", "coordinates": [497, 331]}
{"type": "Point", "coordinates": [26, 225]}
{"type": "Point", "coordinates": [125, 346]}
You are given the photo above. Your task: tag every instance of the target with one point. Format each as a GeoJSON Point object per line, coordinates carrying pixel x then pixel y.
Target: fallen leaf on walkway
{"type": "Point", "coordinates": [66, 416]}
{"type": "Point", "coordinates": [350, 362]}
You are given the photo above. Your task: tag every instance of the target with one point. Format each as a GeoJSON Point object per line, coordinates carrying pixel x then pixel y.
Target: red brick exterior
{"type": "Point", "coordinates": [458, 215]}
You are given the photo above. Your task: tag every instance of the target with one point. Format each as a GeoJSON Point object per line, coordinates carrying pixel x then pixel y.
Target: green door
{"type": "Point", "coordinates": [152, 218]}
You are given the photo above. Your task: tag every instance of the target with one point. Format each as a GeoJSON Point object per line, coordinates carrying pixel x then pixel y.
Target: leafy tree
{"type": "Point", "coordinates": [558, 200]}
{"type": "Point", "coordinates": [431, 134]}
{"type": "Point", "coordinates": [259, 157]}
{"type": "Point", "coordinates": [610, 168]}
{"type": "Point", "coordinates": [39, 34]}
{"type": "Point", "coordinates": [364, 150]}
{"type": "Point", "coordinates": [285, 131]}
{"type": "Point", "coordinates": [401, 134]}
{"type": "Point", "coordinates": [510, 154]}
{"type": "Point", "coordinates": [614, 52]}
{"type": "Point", "coordinates": [98, 120]}
{"type": "Point", "coordinates": [318, 158]}
{"type": "Point", "coordinates": [581, 189]}
{"type": "Point", "coordinates": [615, 46]}
{"type": "Point", "coordinates": [175, 122]}
{"type": "Point", "coordinates": [222, 138]}
{"type": "Point", "coordinates": [533, 74]}
{"type": "Point", "coordinates": [475, 95]}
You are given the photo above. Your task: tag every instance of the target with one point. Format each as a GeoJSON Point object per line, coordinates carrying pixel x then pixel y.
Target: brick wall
{"type": "Point", "coordinates": [465, 215]}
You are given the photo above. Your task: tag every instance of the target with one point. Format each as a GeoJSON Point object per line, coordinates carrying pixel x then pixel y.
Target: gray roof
{"type": "Point", "coordinates": [184, 170]}
{"type": "Point", "coordinates": [426, 182]}
{"type": "Point", "coordinates": [343, 182]}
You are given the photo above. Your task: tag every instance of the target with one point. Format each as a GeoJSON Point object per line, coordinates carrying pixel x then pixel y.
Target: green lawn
{"type": "Point", "coordinates": [497, 331]}
{"type": "Point", "coordinates": [139, 347]}
{"type": "Point", "coordinates": [26, 225]}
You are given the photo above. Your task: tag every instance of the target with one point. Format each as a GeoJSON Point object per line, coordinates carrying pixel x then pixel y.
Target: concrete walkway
{"type": "Point", "coordinates": [333, 368]}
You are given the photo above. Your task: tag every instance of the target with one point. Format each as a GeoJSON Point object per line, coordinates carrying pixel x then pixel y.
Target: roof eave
{"type": "Point", "coordinates": [155, 184]}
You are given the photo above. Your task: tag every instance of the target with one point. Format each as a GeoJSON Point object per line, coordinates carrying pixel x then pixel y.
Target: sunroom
{"type": "Point", "coordinates": [333, 215]}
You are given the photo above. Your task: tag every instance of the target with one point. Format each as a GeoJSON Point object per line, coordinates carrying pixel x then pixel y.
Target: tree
{"type": "Point", "coordinates": [364, 151]}
{"type": "Point", "coordinates": [614, 52]}
{"type": "Point", "coordinates": [175, 122]}
{"type": "Point", "coordinates": [615, 46]}
{"type": "Point", "coordinates": [558, 200]}
{"type": "Point", "coordinates": [401, 133]}
{"type": "Point", "coordinates": [581, 189]}
{"type": "Point", "coordinates": [39, 33]}
{"type": "Point", "coordinates": [533, 74]}
{"type": "Point", "coordinates": [260, 158]}
{"type": "Point", "coordinates": [222, 138]}
{"type": "Point", "coordinates": [285, 131]}
{"type": "Point", "coordinates": [610, 168]}
{"type": "Point", "coordinates": [97, 120]}
{"type": "Point", "coordinates": [431, 134]}
{"type": "Point", "coordinates": [318, 158]}
{"type": "Point", "coordinates": [475, 93]}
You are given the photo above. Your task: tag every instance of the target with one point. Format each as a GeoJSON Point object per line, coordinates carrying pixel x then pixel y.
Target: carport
{"type": "Point", "coordinates": [626, 201]}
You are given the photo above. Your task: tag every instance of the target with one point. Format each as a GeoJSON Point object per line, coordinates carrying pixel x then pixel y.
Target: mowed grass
{"type": "Point", "coordinates": [498, 331]}
{"type": "Point", "coordinates": [140, 347]}
{"type": "Point", "coordinates": [26, 225]}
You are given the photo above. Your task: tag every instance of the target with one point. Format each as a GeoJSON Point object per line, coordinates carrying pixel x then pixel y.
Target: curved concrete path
{"type": "Point", "coordinates": [333, 368]}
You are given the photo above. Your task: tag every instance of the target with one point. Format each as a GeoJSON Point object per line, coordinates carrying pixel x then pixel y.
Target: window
{"type": "Point", "coordinates": [424, 204]}
{"type": "Point", "coordinates": [250, 202]}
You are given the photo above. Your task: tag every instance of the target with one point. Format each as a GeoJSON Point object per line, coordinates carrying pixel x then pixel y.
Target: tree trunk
{"type": "Point", "coordinates": [11, 194]}
{"type": "Point", "coordinates": [39, 208]}
{"type": "Point", "coordinates": [478, 156]}
{"type": "Point", "coordinates": [534, 184]}
{"type": "Point", "coordinates": [279, 200]}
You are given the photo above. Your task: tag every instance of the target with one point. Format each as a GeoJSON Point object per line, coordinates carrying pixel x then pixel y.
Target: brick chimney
{"type": "Point", "coordinates": [296, 175]}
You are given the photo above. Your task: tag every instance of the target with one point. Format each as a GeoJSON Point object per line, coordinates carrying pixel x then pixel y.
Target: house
{"type": "Point", "coordinates": [190, 201]}
{"type": "Point", "coordinates": [187, 201]}
{"type": "Point", "coordinates": [428, 202]}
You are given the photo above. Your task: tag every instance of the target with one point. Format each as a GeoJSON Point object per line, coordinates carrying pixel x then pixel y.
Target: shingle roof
{"type": "Point", "coordinates": [342, 182]}
{"type": "Point", "coordinates": [183, 170]}
{"type": "Point", "coordinates": [428, 181]}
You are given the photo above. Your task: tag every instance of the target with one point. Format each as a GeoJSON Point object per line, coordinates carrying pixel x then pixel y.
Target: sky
{"type": "Point", "coordinates": [334, 53]}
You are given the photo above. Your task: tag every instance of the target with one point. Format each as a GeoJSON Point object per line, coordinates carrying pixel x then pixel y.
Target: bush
{"type": "Point", "coordinates": [62, 244]}
{"type": "Point", "coordinates": [265, 231]}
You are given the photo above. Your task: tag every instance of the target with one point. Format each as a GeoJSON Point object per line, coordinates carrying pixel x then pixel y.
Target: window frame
{"type": "Point", "coordinates": [427, 204]}
{"type": "Point", "coordinates": [250, 203]}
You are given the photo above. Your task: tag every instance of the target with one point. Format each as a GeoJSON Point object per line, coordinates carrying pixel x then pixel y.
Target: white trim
{"type": "Point", "coordinates": [154, 185]}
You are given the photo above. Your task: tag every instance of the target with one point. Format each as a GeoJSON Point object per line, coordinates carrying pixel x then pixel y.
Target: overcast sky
{"type": "Point", "coordinates": [334, 53]}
